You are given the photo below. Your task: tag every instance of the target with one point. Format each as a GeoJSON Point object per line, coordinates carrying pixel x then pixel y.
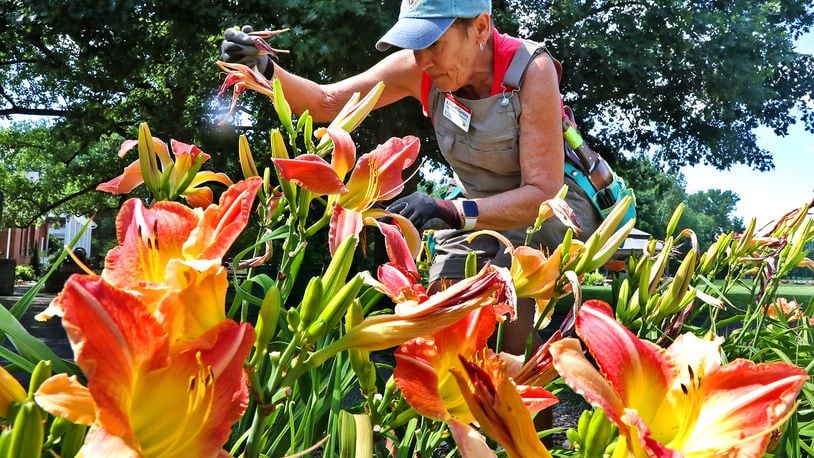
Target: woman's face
{"type": "Point", "coordinates": [449, 61]}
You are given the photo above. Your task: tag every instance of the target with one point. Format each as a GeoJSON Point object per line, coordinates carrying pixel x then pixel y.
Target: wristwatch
{"type": "Point", "coordinates": [469, 211]}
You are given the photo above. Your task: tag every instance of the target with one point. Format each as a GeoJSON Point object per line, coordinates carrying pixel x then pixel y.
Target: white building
{"type": "Point", "coordinates": [65, 228]}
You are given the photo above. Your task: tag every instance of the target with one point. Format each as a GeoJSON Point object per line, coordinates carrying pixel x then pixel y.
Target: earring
{"type": "Point", "coordinates": [481, 47]}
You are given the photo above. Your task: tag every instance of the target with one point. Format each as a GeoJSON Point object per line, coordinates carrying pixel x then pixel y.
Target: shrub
{"type": "Point", "coordinates": [593, 278]}
{"type": "Point", "coordinates": [25, 273]}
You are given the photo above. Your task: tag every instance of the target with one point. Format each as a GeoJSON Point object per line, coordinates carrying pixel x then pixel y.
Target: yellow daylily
{"type": "Point", "coordinates": [10, 391]}
{"type": "Point", "coordinates": [147, 394]}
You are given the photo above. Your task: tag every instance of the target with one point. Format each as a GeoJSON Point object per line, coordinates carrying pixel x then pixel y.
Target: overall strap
{"type": "Point", "coordinates": [522, 58]}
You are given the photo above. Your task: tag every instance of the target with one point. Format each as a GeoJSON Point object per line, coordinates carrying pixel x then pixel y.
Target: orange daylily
{"type": "Point", "coordinates": [679, 401]}
{"type": "Point", "coordinates": [181, 177]}
{"type": "Point", "coordinates": [429, 374]}
{"type": "Point", "coordinates": [499, 405]}
{"type": "Point", "coordinates": [790, 310]}
{"type": "Point", "coordinates": [376, 177]}
{"type": "Point", "coordinates": [534, 274]}
{"type": "Point", "coordinates": [147, 395]}
{"type": "Point", "coordinates": [423, 366]}
{"type": "Point", "coordinates": [152, 237]}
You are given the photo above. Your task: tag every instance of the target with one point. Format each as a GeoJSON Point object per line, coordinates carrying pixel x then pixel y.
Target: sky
{"type": "Point", "coordinates": [766, 196]}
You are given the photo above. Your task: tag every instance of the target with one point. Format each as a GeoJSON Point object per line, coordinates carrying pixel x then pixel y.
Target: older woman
{"type": "Point", "coordinates": [495, 105]}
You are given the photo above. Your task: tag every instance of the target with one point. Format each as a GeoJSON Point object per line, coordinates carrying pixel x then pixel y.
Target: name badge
{"type": "Point", "coordinates": [457, 112]}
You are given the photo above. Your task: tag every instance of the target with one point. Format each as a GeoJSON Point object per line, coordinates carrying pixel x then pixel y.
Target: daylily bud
{"type": "Point", "coordinates": [302, 119]}
{"type": "Point", "coordinates": [293, 319]}
{"type": "Point", "coordinates": [247, 165]}
{"type": "Point", "coordinates": [279, 151]}
{"type": "Point", "coordinates": [28, 433]}
{"type": "Point", "coordinates": [147, 159]}
{"type": "Point", "coordinates": [353, 113]}
{"type": "Point", "coordinates": [671, 226]}
{"type": "Point", "coordinates": [266, 322]}
{"type": "Point", "coordinates": [282, 107]}
{"type": "Point", "coordinates": [338, 304]}
{"type": "Point", "coordinates": [40, 373]}
{"type": "Point", "coordinates": [336, 273]}
{"type": "Point", "coordinates": [278, 148]}
{"type": "Point", "coordinates": [471, 266]}
{"type": "Point", "coordinates": [311, 300]}
{"type": "Point", "coordinates": [360, 362]}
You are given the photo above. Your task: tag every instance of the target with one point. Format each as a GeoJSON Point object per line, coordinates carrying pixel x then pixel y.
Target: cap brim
{"type": "Point", "coordinates": [414, 33]}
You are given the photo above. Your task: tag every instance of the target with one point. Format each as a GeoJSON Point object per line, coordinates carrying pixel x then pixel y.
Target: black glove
{"type": "Point", "coordinates": [238, 47]}
{"type": "Point", "coordinates": [426, 212]}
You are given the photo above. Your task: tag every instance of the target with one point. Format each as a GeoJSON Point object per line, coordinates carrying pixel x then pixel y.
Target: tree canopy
{"type": "Point", "coordinates": [679, 82]}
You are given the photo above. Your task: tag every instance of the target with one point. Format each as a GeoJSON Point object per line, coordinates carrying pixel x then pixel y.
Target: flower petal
{"type": "Point", "coordinates": [221, 224]}
{"type": "Point", "coordinates": [126, 182]}
{"type": "Point", "coordinates": [579, 374]}
{"type": "Point", "coordinates": [344, 224]}
{"type": "Point", "coordinates": [423, 366]}
{"type": "Point", "coordinates": [377, 175]}
{"type": "Point", "coordinates": [113, 338]}
{"type": "Point", "coordinates": [496, 405]}
{"type": "Point", "coordinates": [396, 246]}
{"type": "Point", "coordinates": [148, 239]}
{"type": "Point", "coordinates": [344, 154]}
{"type": "Point", "coordinates": [312, 173]}
{"type": "Point", "coordinates": [640, 371]}
{"type": "Point", "coordinates": [471, 443]}
{"type": "Point", "coordinates": [198, 197]}
{"type": "Point", "coordinates": [408, 230]}
{"type": "Point", "coordinates": [191, 405]}
{"type": "Point", "coordinates": [400, 285]}
{"type": "Point", "coordinates": [194, 304]}
{"type": "Point", "coordinates": [65, 397]}
{"type": "Point", "coordinates": [743, 400]}
{"type": "Point", "coordinates": [488, 288]}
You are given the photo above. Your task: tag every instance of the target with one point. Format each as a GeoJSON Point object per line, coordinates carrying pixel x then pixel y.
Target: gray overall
{"type": "Point", "coordinates": [486, 162]}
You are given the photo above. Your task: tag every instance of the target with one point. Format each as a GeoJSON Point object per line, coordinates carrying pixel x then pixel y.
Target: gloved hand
{"type": "Point", "coordinates": [422, 209]}
{"type": "Point", "coordinates": [238, 47]}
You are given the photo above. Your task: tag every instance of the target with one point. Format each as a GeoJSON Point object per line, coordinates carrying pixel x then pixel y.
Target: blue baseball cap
{"type": "Point", "coordinates": [422, 22]}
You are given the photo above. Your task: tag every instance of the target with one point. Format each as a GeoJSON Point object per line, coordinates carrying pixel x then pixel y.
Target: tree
{"type": "Point", "coordinates": [709, 213]}
{"type": "Point", "coordinates": [658, 193]}
{"type": "Point", "coordinates": [683, 81]}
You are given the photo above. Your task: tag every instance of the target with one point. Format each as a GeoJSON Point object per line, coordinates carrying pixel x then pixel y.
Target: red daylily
{"type": "Point", "coordinates": [679, 401]}
{"type": "Point", "coordinates": [376, 177]}
{"type": "Point", "coordinates": [171, 179]}
{"type": "Point", "coordinates": [146, 395]}
{"type": "Point", "coordinates": [240, 77]}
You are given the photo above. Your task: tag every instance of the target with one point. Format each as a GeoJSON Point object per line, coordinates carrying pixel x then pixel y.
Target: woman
{"type": "Point", "coordinates": [459, 67]}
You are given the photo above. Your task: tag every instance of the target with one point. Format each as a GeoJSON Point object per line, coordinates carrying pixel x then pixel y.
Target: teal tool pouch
{"type": "Point", "coordinates": [605, 199]}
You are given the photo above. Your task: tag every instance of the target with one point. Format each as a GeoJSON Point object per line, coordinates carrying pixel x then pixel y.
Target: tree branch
{"type": "Point", "coordinates": [47, 209]}
{"type": "Point", "coordinates": [33, 112]}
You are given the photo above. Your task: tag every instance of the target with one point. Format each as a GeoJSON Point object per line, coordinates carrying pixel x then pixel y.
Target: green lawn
{"type": "Point", "coordinates": [802, 293]}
